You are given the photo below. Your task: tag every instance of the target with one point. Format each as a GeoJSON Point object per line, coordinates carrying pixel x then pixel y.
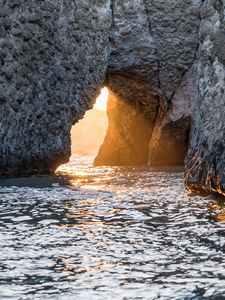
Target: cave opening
{"type": "Point", "coordinates": [129, 126]}
{"type": "Point", "coordinates": [113, 133]}
{"type": "Point", "coordinates": [144, 129]}
{"type": "Point", "coordinates": [88, 134]}
{"type": "Point", "coordinates": [128, 134]}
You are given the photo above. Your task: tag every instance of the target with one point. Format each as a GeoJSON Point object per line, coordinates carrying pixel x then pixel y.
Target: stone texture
{"type": "Point", "coordinates": [155, 39]}
{"type": "Point", "coordinates": [170, 138]}
{"type": "Point", "coordinates": [154, 45]}
{"type": "Point", "coordinates": [163, 60]}
{"type": "Point", "coordinates": [52, 64]}
{"type": "Point", "coordinates": [206, 156]}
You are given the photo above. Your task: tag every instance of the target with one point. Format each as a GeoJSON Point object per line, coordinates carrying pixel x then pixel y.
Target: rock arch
{"type": "Point", "coordinates": [54, 56]}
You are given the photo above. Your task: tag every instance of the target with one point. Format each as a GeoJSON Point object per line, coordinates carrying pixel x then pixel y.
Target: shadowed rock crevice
{"type": "Point", "coordinates": [169, 146]}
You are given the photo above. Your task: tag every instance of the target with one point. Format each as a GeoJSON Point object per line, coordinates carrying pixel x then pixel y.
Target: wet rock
{"type": "Point", "coordinates": [206, 156]}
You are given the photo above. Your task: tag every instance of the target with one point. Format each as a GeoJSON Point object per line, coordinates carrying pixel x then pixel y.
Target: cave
{"type": "Point", "coordinates": [135, 129]}
{"type": "Point", "coordinates": [140, 132]}
{"type": "Point", "coordinates": [128, 126]}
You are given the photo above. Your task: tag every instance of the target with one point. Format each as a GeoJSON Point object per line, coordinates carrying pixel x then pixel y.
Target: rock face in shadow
{"type": "Point", "coordinates": [53, 59]}
{"type": "Point", "coordinates": [170, 138]}
{"type": "Point", "coordinates": [170, 143]}
{"type": "Point", "coordinates": [206, 156]}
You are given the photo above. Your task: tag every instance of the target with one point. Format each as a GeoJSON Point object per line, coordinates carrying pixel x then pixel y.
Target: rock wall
{"type": "Point", "coordinates": [164, 59]}
{"type": "Point", "coordinates": [206, 156]}
{"type": "Point", "coordinates": [154, 45]}
{"type": "Point", "coordinates": [53, 59]}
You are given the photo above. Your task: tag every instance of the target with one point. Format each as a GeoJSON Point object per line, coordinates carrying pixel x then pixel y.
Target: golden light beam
{"type": "Point", "coordinates": [101, 101]}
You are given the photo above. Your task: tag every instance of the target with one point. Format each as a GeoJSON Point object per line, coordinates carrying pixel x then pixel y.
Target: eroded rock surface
{"type": "Point", "coordinates": [164, 59]}
{"type": "Point", "coordinates": [154, 45]}
{"type": "Point", "coordinates": [53, 58]}
{"type": "Point", "coordinates": [205, 163]}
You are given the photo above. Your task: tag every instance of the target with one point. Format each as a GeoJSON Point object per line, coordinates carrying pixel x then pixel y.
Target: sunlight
{"type": "Point", "coordinates": [101, 102]}
{"type": "Point", "coordinates": [88, 134]}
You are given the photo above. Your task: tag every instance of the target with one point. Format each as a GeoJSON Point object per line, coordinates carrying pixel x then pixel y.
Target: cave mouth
{"type": "Point", "coordinates": [128, 135]}
{"type": "Point", "coordinates": [128, 126]}
{"type": "Point", "coordinates": [88, 134]}
{"type": "Point", "coordinates": [113, 133]}
{"type": "Point", "coordinates": [143, 129]}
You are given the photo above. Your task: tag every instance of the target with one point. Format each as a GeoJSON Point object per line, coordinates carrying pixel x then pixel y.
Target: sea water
{"type": "Point", "coordinates": [109, 233]}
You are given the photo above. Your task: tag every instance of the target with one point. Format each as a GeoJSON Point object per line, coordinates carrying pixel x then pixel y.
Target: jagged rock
{"type": "Point", "coordinates": [53, 59]}
{"type": "Point", "coordinates": [162, 58]}
{"type": "Point", "coordinates": [154, 45]}
{"type": "Point", "coordinates": [206, 156]}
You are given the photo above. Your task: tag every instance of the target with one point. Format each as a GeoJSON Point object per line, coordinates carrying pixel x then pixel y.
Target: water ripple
{"type": "Point", "coordinates": [109, 233]}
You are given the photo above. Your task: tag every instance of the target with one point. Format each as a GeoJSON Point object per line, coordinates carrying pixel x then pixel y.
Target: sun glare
{"type": "Point", "coordinates": [101, 102]}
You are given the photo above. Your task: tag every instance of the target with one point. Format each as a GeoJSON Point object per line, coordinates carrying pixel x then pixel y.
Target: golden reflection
{"type": "Point", "coordinates": [92, 187]}
{"type": "Point", "coordinates": [89, 180]}
{"type": "Point", "coordinates": [85, 217]}
{"type": "Point", "coordinates": [76, 270]}
{"type": "Point", "coordinates": [82, 224]}
{"type": "Point", "coordinates": [90, 264]}
{"type": "Point", "coordinates": [217, 209]}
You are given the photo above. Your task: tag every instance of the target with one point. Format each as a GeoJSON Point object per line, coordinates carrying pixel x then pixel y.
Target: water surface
{"type": "Point", "coordinates": [109, 233]}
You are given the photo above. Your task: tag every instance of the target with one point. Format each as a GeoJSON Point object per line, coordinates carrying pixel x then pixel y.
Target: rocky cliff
{"type": "Point", "coordinates": [205, 161]}
{"type": "Point", "coordinates": [53, 59]}
{"type": "Point", "coordinates": [153, 47]}
{"type": "Point", "coordinates": [163, 62]}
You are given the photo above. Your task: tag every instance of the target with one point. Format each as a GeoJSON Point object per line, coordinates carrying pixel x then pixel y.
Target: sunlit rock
{"type": "Point", "coordinates": [127, 138]}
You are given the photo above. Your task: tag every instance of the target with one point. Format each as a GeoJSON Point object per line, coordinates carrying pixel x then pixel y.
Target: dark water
{"type": "Point", "coordinates": [109, 233]}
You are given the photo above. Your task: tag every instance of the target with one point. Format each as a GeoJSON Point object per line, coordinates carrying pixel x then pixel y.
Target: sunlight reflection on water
{"type": "Point", "coordinates": [109, 233]}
